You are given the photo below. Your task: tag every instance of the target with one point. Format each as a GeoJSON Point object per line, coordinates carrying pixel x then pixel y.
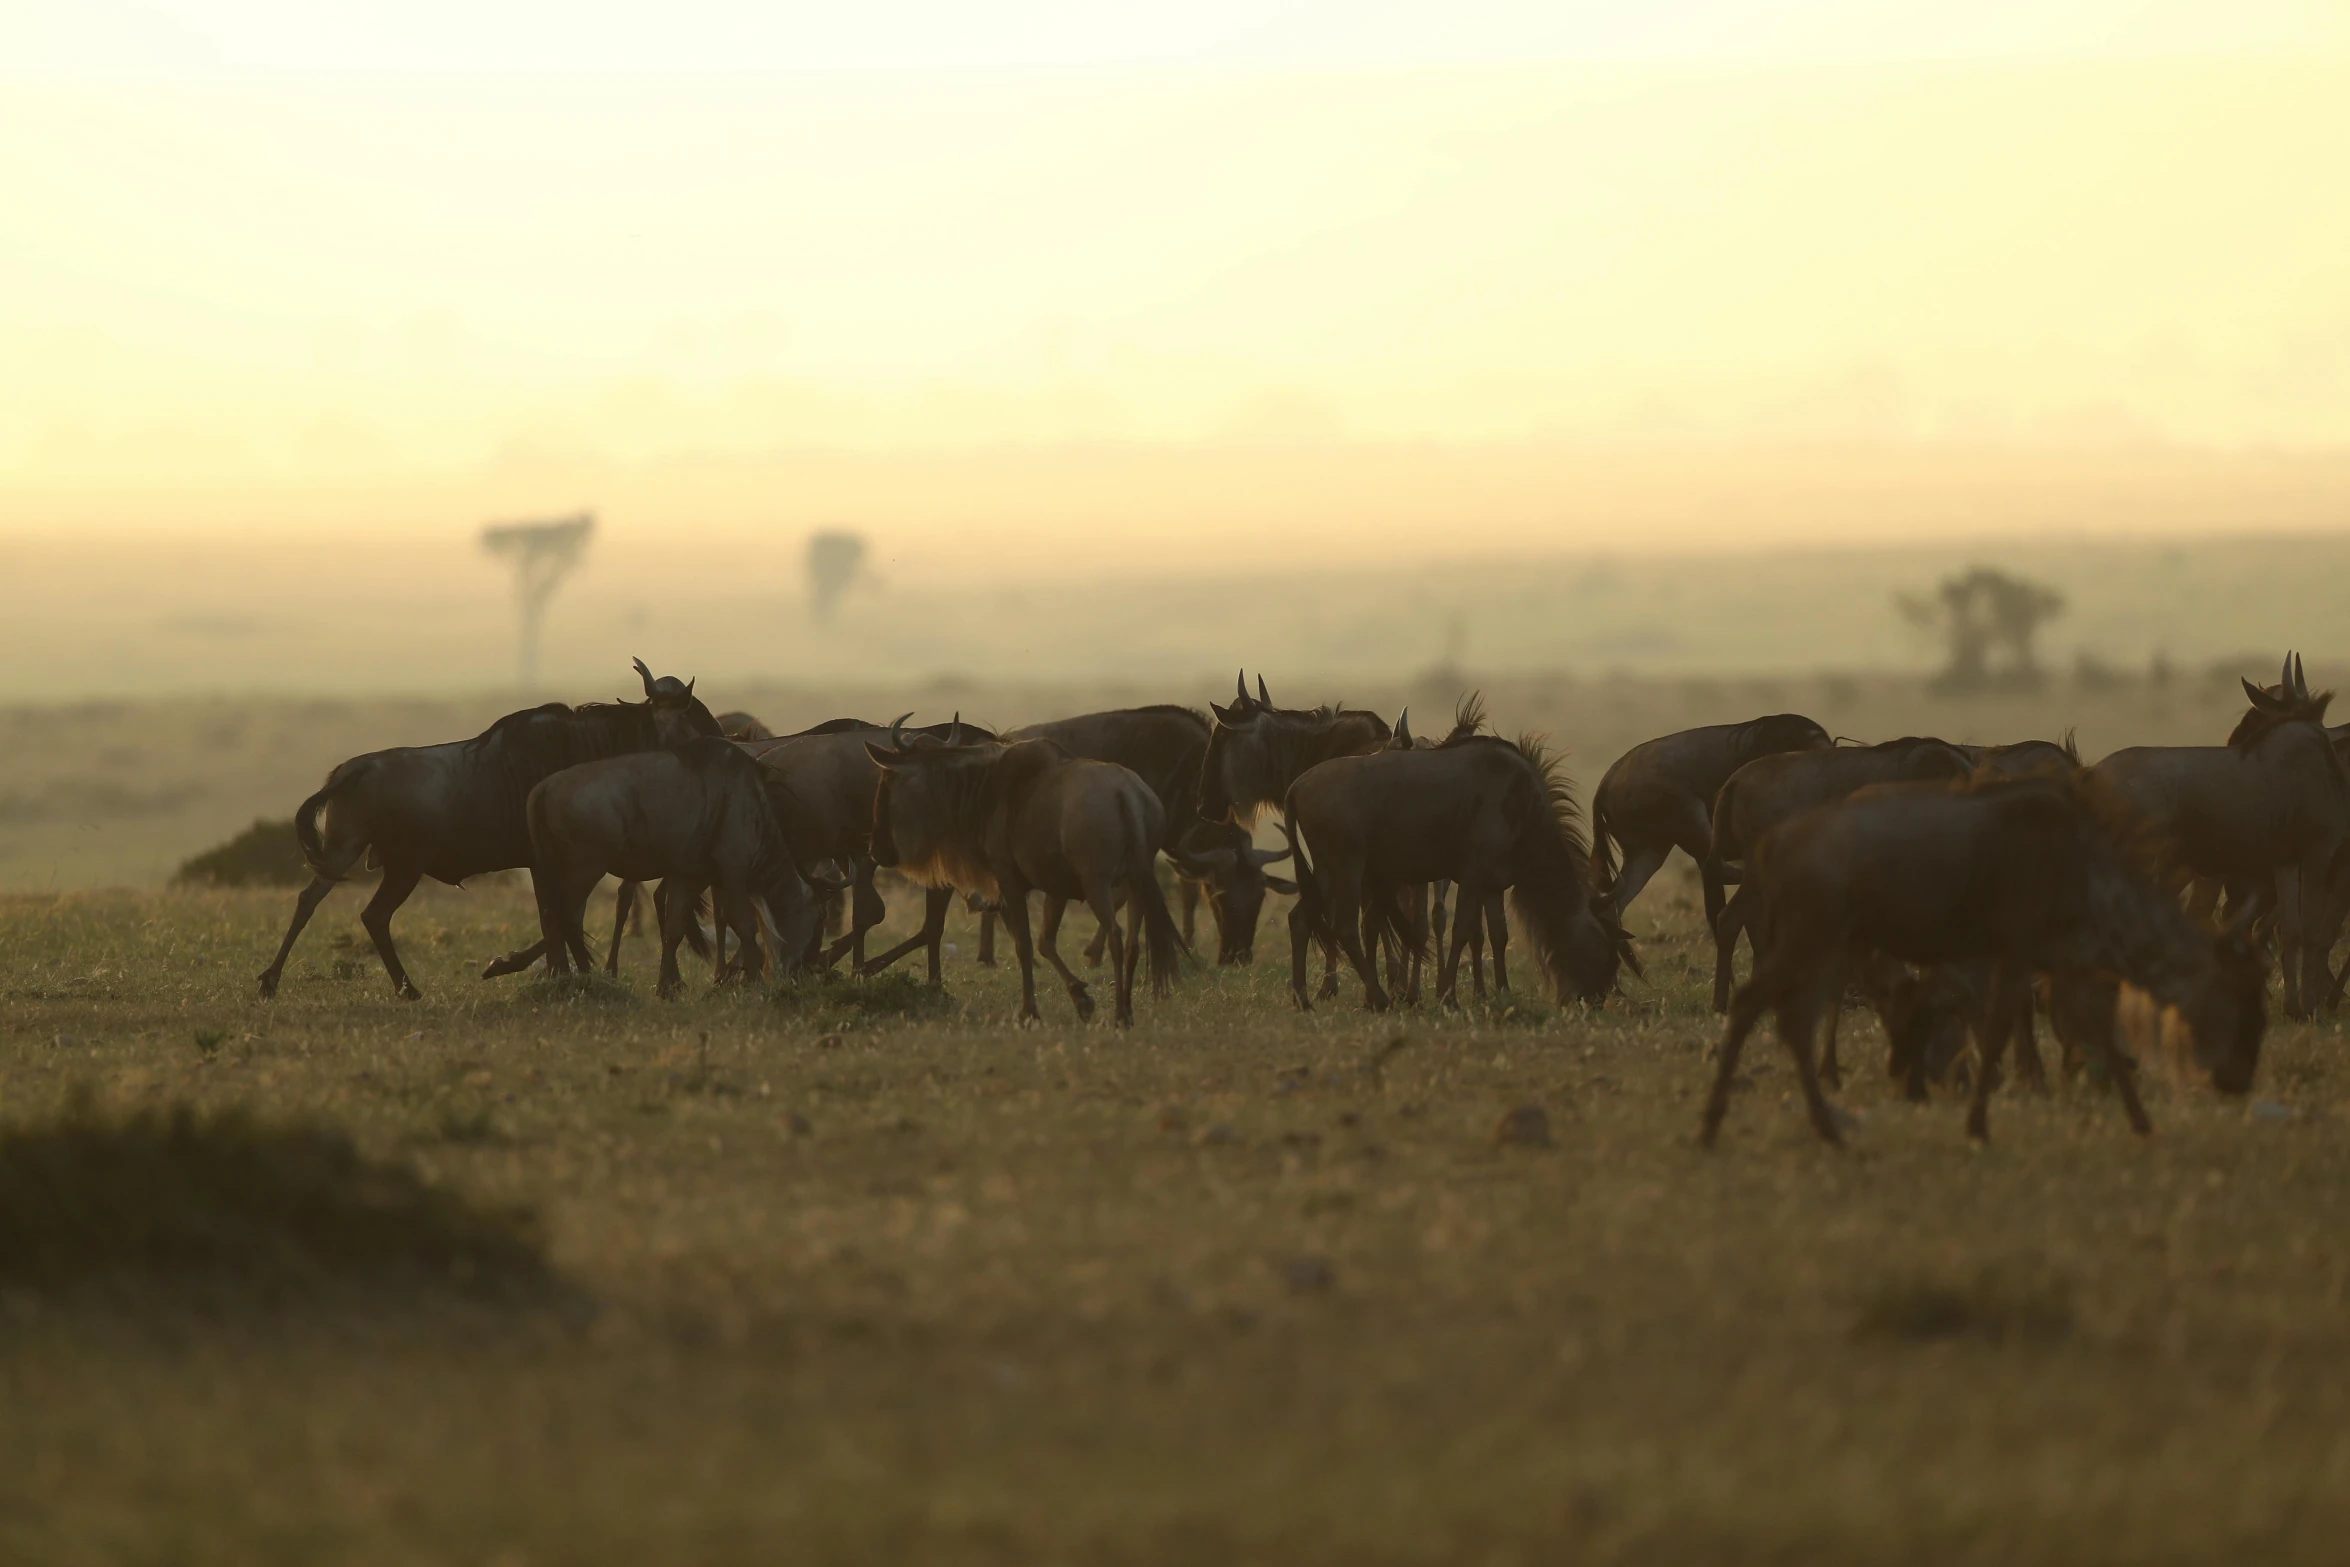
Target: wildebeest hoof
{"type": "Point", "coordinates": [1329, 990]}
{"type": "Point", "coordinates": [1082, 999]}
{"type": "Point", "coordinates": [410, 993]}
{"type": "Point", "coordinates": [269, 987]}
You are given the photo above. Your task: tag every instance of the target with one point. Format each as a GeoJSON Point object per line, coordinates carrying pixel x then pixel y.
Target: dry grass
{"type": "Point", "coordinates": [1239, 1285]}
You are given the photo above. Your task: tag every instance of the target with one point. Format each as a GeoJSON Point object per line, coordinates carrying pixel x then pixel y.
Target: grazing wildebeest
{"type": "Point", "coordinates": [1478, 811]}
{"type": "Point", "coordinates": [2268, 813]}
{"type": "Point", "coordinates": [2033, 875]}
{"type": "Point", "coordinates": [1165, 747]}
{"type": "Point", "coordinates": [1004, 820]}
{"type": "Point", "coordinates": [1770, 789]}
{"type": "Point", "coordinates": [1659, 797]}
{"type": "Point", "coordinates": [699, 816]}
{"type": "Point", "coordinates": [1256, 751]}
{"type": "Point", "coordinates": [456, 810]}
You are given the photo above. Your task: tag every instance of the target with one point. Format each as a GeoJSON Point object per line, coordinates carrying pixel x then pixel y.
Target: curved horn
{"type": "Point", "coordinates": [1403, 728]}
{"type": "Point", "coordinates": [2285, 676]}
{"type": "Point", "coordinates": [1240, 686]}
{"type": "Point", "coordinates": [1263, 700]}
{"type": "Point", "coordinates": [897, 732]}
{"type": "Point", "coordinates": [689, 688]}
{"type": "Point", "coordinates": [2300, 679]}
{"type": "Point", "coordinates": [1257, 856]}
{"type": "Point", "coordinates": [955, 729]}
{"type": "Point", "coordinates": [646, 675]}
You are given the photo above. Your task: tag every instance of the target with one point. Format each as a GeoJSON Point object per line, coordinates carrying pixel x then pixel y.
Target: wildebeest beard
{"type": "Point", "coordinates": [951, 800]}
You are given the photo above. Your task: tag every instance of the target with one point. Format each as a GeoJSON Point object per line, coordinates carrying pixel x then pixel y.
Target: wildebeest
{"type": "Point", "coordinates": [2035, 875]}
{"type": "Point", "coordinates": [742, 726]}
{"type": "Point", "coordinates": [1004, 820]}
{"type": "Point", "coordinates": [1165, 746]}
{"type": "Point", "coordinates": [456, 810]}
{"type": "Point", "coordinates": [693, 817]}
{"type": "Point", "coordinates": [2269, 809]}
{"type": "Point", "coordinates": [832, 783]}
{"type": "Point", "coordinates": [1256, 751]}
{"type": "Point", "coordinates": [1659, 796]}
{"type": "Point", "coordinates": [1478, 811]}
{"type": "Point", "coordinates": [1770, 789]}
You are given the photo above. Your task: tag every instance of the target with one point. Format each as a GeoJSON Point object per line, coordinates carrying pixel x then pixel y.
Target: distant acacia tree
{"type": "Point", "coordinates": [834, 560]}
{"type": "Point", "coordinates": [1988, 620]}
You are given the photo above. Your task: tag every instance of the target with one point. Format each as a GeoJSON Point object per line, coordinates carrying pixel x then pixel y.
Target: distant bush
{"type": "Point", "coordinates": [164, 1207]}
{"type": "Point", "coordinates": [263, 855]}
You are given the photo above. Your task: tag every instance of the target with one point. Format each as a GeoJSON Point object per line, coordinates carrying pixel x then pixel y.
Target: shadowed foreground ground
{"type": "Point", "coordinates": [1238, 1286]}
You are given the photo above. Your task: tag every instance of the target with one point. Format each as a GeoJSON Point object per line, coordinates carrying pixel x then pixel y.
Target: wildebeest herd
{"type": "Point", "coordinates": [1963, 891]}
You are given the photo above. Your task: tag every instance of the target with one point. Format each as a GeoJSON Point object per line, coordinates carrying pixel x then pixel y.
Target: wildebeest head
{"type": "Point", "coordinates": [1256, 750]}
{"type": "Point", "coordinates": [1220, 855]}
{"type": "Point", "coordinates": [926, 809]}
{"type": "Point", "coordinates": [678, 715]}
{"type": "Point", "coordinates": [2225, 1012]}
{"type": "Point", "coordinates": [2288, 701]}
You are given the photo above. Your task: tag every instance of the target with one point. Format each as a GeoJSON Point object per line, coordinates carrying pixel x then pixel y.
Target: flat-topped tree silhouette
{"type": "Point", "coordinates": [1980, 613]}
{"type": "Point", "coordinates": [543, 554]}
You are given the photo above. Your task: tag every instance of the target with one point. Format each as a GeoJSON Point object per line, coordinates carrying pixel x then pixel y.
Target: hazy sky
{"type": "Point", "coordinates": [279, 259]}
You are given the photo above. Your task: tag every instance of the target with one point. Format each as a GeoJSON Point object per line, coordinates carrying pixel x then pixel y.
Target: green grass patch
{"type": "Point", "coordinates": [830, 1001]}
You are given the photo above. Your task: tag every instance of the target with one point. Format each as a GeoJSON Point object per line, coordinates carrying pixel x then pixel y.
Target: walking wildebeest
{"type": "Point", "coordinates": [1165, 747]}
{"type": "Point", "coordinates": [1007, 819]}
{"type": "Point", "coordinates": [2268, 810]}
{"type": "Point", "coordinates": [2034, 875]}
{"type": "Point", "coordinates": [456, 810]}
{"type": "Point", "coordinates": [1659, 796]}
{"type": "Point", "coordinates": [694, 817]}
{"type": "Point", "coordinates": [1770, 789]}
{"type": "Point", "coordinates": [1478, 811]}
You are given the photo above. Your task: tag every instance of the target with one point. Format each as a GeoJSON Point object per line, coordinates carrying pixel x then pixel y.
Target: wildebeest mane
{"type": "Point", "coordinates": [524, 747]}
{"type": "Point", "coordinates": [1468, 717]}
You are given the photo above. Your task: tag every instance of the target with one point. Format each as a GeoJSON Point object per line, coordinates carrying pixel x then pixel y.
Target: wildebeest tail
{"type": "Point", "coordinates": [1603, 847]}
{"type": "Point", "coordinates": [1309, 890]}
{"type": "Point", "coordinates": [1161, 939]}
{"type": "Point", "coordinates": [306, 820]}
{"type": "Point", "coordinates": [1571, 928]}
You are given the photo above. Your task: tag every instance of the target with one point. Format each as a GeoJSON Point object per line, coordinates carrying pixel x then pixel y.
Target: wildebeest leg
{"type": "Point", "coordinates": [1497, 931]}
{"type": "Point", "coordinates": [304, 906]}
{"type": "Point", "coordinates": [1013, 905]}
{"type": "Point", "coordinates": [1748, 1007]}
{"type": "Point", "coordinates": [1301, 934]}
{"type": "Point", "coordinates": [1414, 906]}
{"type": "Point", "coordinates": [936, 901]}
{"type": "Point", "coordinates": [1448, 968]}
{"type": "Point", "coordinates": [866, 910]}
{"type": "Point", "coordinates": [1048, 941]}
{"type": "Point", "coordinates": [1999, 1016]}
{"type": "Point", "coordinates": [1641, 862]}
{"type": "Point", "coordinates": [1726, 929]}
{"type": "Point", "coordinates": [2030, 1070]}
{"type": "Point", "coordinates": [1330, 951]}
{"type": "Point", "coordinates": [1438, 892]}
{"type": "Point", "coordinates": [2295, 888]}
{"type": "Point", "coordinates": [1102, 898]}
{"type": "Point", "coordinates": [987, 938]}
{"type": "Point", "coordinates": [1798, 1015]}
{"type": "Point", "coordinates": [2122, 1073]}
{"type": "Point", "coordinates": [1187, 904]}
{"type": "Point", "coordinates": [1349, 913]}
{"type": "Point", "coordinates": [390, 893]}
{"type": "Point", "coordinates": [623, 905]}
{"type": "Point", "coordinates": [1133, 962]}
{"type": "Point", "coordinates": [673, 910]}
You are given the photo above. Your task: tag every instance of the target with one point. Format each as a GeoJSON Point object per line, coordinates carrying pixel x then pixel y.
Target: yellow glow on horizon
{"type": "Point", "coordinates": [341, 245]}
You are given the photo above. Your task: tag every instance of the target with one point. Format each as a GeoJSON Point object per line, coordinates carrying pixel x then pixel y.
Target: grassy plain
{"type": "Point", "coordinates": [1240, 1285]}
